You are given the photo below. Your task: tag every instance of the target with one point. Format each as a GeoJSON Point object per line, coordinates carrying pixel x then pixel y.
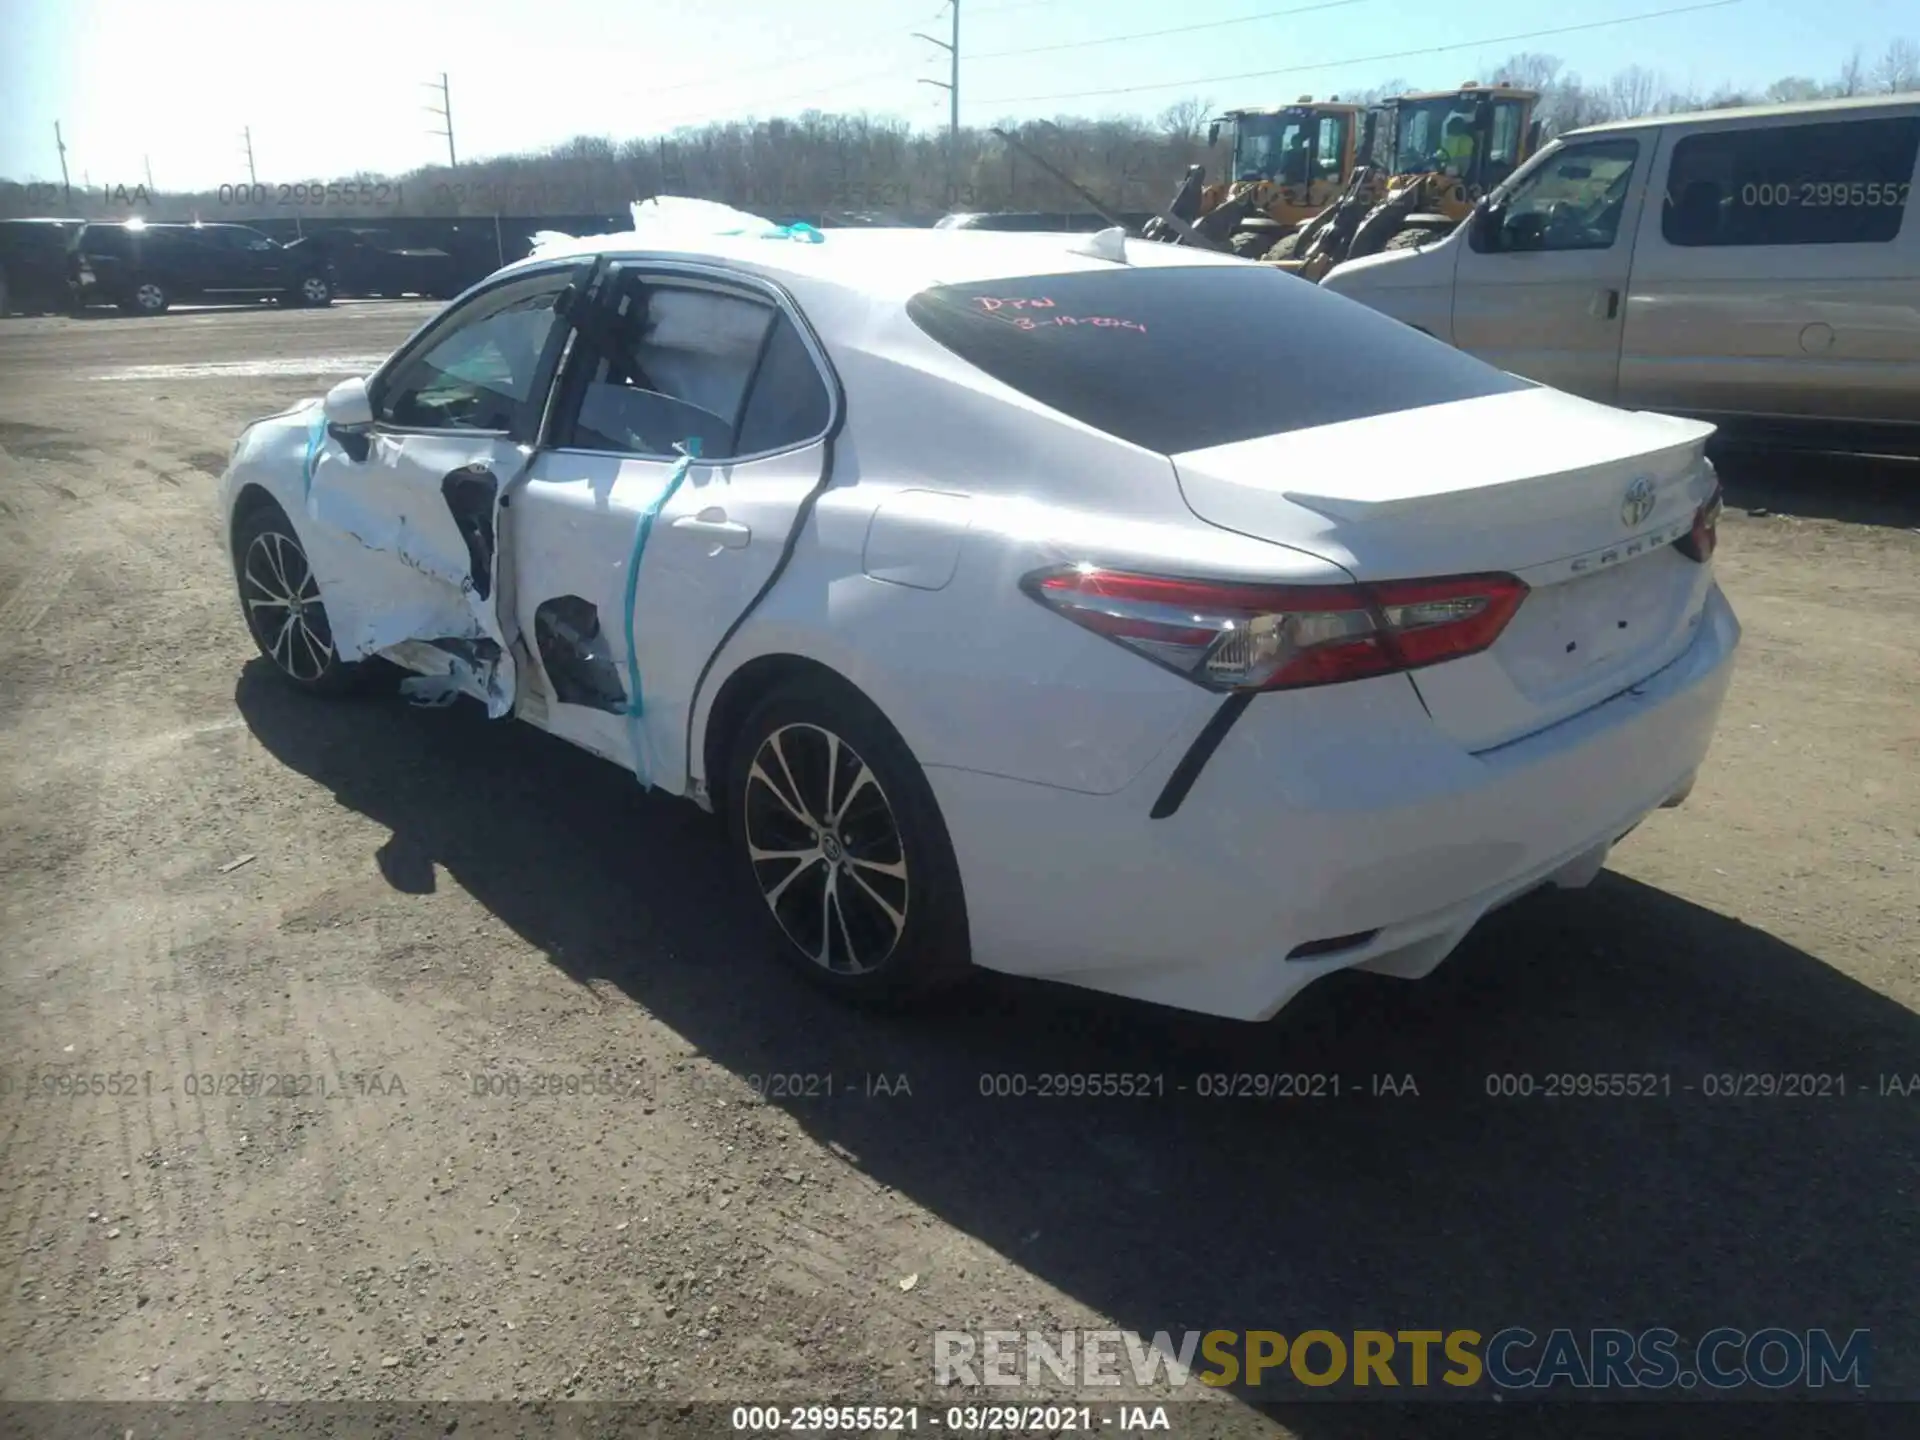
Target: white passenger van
{"type": "Point", "coordinates": [1759, 268]}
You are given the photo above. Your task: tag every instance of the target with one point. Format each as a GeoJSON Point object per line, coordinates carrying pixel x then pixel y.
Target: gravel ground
{"type": "Point", "coordinates": [206, 876]}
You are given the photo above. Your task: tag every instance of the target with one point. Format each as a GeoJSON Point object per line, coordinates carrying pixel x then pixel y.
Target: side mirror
{"type": "Point", "coordinates": [1213, 134]}
{"type": "Point", "coordinates": [348, 406]}
{"type": "Point", "coordinates": [1533, 136]}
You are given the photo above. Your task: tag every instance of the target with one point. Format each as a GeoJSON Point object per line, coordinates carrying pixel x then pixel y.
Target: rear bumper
{"type": "Point", "coordinates": [1324, 813]}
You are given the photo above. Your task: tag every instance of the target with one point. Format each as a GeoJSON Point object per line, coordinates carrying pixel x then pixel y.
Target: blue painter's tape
{"type": "Point", "coordinates": [316, 435]}
{"type": "Point", "coordinates": [636, 732]}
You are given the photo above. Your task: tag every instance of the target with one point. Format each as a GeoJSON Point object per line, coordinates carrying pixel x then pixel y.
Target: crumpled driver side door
{"type": "Point", "coordinates": [407, 512]}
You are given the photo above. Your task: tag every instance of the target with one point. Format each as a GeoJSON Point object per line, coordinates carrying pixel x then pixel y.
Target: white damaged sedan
{"type": "Point", "coordinates": [1108, 612]}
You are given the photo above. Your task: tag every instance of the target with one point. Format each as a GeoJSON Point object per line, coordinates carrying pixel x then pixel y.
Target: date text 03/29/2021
{"type": "Point", "coordinates": [1052, 1420]}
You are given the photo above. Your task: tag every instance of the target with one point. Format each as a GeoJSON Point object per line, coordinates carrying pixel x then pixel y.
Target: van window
{"type": "Point", "coordinates": [1184, 357]}
{"type": "Point", "coordinates": [1573, 201]}
{"type": "Point", "coordinates": [1835, 183]}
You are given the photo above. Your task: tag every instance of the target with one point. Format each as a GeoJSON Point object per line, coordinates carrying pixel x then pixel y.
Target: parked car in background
{"type": "Point", "coordinates": [33, 265]}
{"type": "Point", "coordinates": [1758, 267]}
{"type": "Point", "coordinates": [1005, 605]}
{"type": "Point", "coordinates": [144, 268]}
{"type": "Point", "coordinates": [367, 261]}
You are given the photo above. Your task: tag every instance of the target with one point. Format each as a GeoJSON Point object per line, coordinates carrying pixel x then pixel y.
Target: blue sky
{"type": "Point", "coordinates": [339, 85]}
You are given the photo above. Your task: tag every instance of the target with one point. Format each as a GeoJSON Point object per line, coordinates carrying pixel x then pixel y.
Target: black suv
{"type": "Point", "coordinates": [145, 268]}
{"type": "Point", "coordinates": [33, 265]}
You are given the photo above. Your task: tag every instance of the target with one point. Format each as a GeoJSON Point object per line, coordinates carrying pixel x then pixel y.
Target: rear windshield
{"type": "Point", "coordinates": [1183, 357]}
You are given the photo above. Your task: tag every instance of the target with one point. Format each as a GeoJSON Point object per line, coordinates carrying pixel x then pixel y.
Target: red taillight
{"type": "Point", "coordinates": [1229, 636]}
{"type": "Point", "coordinates": [1699, 542]}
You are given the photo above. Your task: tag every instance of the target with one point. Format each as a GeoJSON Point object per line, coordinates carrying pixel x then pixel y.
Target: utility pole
{"type": "Point", "coordinates": [952, 86]}
{"type": "Point", "coordinates": [66, 185]}
{"type": "Point", "coordinates": [246, 136]}
{"type": "Point", "coordinates": [147, 161]}
{"type": "Point", "coordinates": [445, 111]}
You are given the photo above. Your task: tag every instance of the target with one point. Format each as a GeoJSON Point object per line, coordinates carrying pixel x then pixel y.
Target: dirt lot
{"type": "Point", "coordinates": [431, 903]}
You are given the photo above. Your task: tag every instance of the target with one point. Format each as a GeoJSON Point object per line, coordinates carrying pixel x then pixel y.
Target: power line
{"type": "Point", "coordinates": [1174, 30]}
{"type": "Point", "coordinates": [1359, 59]}
{"type": "Point", "coordinates": [1017, 5]}
{"type": "Point", "coordinates": [838, 47]}
{"type": "Point", "coordinates": [691, 116]}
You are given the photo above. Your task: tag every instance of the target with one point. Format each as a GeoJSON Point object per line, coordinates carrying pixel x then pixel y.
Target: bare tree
{"type": "Point", "coordinates": [1182, 120]}
{"type": "Point", "coordinates": [1375, 94]}
{"type": "Point", "coordinates": [1853, 75]}
{"type": "Point", "coordinates": [1634, 92]}
{"type": "Point", "coordinates": [1899, 69]}
{"type": "Point", "coordinates": [1793, 88]}
{"type": "Point", "coordinates": [1568, 103]}
{"type": "Point", "coordinates": [1530, 70]}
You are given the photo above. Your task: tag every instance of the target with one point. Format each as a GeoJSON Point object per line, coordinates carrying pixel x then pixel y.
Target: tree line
{"type": "Point", "coordinates": [821, 164]}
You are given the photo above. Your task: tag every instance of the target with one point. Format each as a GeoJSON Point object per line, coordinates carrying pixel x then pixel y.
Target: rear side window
{"type": "Point", "coordinates": [787, 403]}
{"type": "Point", "coordinates": [1835, 183]}
{"type": "Point", "coordinates": [1176, 358]}
{"type": "Point", "coordinates": [104, 240]}
{"type": "Point", "coordinates": [671, 365]}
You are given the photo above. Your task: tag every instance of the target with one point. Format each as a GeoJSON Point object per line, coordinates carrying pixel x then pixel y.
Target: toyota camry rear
{"type": "Point", "coordinates": [1360, 638]}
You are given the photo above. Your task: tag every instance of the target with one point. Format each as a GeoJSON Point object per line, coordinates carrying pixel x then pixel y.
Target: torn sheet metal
{"type": "Point", "coordinates": [420, 521]}
{"type": "Point", "coordinates": [577, 655]}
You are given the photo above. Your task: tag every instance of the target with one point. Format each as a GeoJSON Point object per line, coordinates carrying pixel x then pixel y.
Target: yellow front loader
{"type": "Point", "coordinates": [1285, 165]}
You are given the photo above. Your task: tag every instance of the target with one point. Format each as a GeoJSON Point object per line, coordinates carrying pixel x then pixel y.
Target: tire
{"type": "Point", "coordinates": [313, 292]}
{"type": "Point", "coordinates": [146, 297]}
{"type": "Point", "coordinates": [269, 565]}
{"type": "Point", "coordinates": [1408, 239]}
{"type": "Point", "coordinates": [1285, 248]}
{"type": "Point", "coordinates": [883, 866]}
{"type": "Point", "coordinates": [1249, 244]}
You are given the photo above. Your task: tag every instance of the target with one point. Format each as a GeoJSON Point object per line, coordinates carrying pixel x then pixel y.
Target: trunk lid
{"type": "Point", "coordinates": [1581, 501]}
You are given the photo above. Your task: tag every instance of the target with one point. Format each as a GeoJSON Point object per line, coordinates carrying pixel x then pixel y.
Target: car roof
{"type": "Point", "coordinates": [1808, 109]}
{"type": "Point", "coordinates": [884, 263]}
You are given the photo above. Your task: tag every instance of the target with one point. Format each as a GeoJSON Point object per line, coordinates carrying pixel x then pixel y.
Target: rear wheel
{"type": "Point", "coordinates": [280, 600]}
{"type": "Point", "coordinates": [146, 297]}
{"type": "Point", "coordinates": [1408, 239]}
{"type": "Point", "coordinates": [1250, 244]}
{"type": "Point", "coordinates": [833, 824]}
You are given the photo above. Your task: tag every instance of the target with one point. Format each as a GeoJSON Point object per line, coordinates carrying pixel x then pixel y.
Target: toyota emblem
{"type": "Point", "coordinates": [1638, 503]}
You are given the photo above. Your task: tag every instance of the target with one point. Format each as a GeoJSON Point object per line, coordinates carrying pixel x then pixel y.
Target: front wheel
{"type": "Point", "coordinates": [835, 827]}
{"type": "Point", "coordinates": [280, 601]}
{"type": "Point", "coordinates": [312, 291]}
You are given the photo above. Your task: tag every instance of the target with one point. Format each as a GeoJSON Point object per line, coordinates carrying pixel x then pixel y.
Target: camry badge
{"type": "Point", "coordinates": [1638, 503]}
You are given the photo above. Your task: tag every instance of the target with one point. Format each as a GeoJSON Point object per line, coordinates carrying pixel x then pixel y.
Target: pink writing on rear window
{"type": "Point", "coordinates": [990, 304]}
{"type": "Point", "coordinates": [1098, 322]}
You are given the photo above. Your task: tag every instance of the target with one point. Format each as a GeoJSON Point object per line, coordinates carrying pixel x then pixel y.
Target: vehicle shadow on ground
{"type": "Point", "coordinates": [1858, 490]}
{"type": "Point", "coordinates": [1442, 1210]}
